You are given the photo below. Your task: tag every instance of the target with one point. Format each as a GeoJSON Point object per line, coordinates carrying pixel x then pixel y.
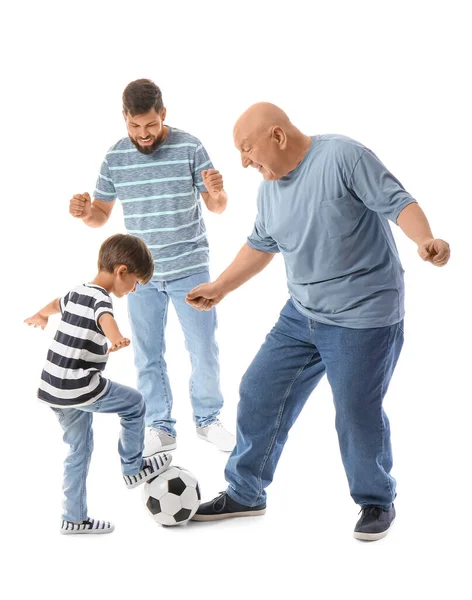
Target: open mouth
{"type": "Point", "coordinates": [147, 141]}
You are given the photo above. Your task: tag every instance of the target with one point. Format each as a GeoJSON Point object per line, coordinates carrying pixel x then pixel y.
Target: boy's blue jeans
{"type": "Point", "coordinates": [359, 364]}
{"type": "Point", "coordinates": [148, 308]}
{"type": "Point", "coordinates": [77, 426]}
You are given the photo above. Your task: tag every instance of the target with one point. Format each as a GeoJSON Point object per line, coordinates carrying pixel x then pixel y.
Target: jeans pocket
{"type": "Point", "coordinates": [341, 215]}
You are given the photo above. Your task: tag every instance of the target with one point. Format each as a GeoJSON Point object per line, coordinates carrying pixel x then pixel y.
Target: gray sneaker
{"type": "Point", "coordinates": [157, 440]}
{"type": "Point", "coordinates": [374, 523]}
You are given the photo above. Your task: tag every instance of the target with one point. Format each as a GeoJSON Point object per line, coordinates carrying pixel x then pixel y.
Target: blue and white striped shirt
{"type": "Point", "coordinates": [160, 194]}
{"type": "Point", "coordinates": [72, 374]}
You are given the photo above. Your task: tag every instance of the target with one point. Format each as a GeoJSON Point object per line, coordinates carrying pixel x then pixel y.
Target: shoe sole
{"type": "Point", "coordinates": [131, 486]}
{"type": "Point", "coordinates": [163, 449]}
{"type": "Point", "coordinates": [372, 537]}
{"type": "Point", "coordinates": [248, 513]}
{"type": "Point", "coordinates": [204, 438]}
{"type": "Point", "coordinates": [90, 531]}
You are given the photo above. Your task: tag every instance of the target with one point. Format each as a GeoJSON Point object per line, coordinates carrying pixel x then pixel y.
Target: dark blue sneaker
{"type": "Point", "coordinates": [374, 523]}
{"type": "Point", "coordinates": [224, 507]}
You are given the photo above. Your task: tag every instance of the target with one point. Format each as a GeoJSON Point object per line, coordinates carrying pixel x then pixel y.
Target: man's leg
{"type": "Point", "coordinates": [273, 391]}
{"type": "Point", "coordinates": [148, 317]}
{"type": "Point", "coordinates": [359, 365]}
{"type": "Point", "coordinates": [77, 428]}
{"type": "Point", "coordinates": [199, 331]}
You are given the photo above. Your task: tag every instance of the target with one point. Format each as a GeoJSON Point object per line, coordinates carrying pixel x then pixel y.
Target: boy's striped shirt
{"type": "Point", "coordinates": [72, 374]}
{"type": "Point", "coordinates": [160, 195]}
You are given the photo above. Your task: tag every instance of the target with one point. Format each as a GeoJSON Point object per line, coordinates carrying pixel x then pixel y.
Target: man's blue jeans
{"type": "Point", "coordinates": [359, 364]}
{"type": "Point", "coordinates": [148, 316]}
{"type": "Point", "coordinates": [77, 426]}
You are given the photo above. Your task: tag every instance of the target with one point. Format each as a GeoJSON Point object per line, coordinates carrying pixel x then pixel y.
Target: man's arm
{"type": "Point", "coordinates": [110, 329]}
{"type": "Point", "coordinates": [215, 198]}
{"type": "Point", "coordinates": [40, 319]}
{"type": "Point", "coordinates": [217, 203]}
{"type": "Point", "coordinates": [380, 191]}
{"type": "Point", "coordinates": [94, 214]}
{"type": "Point", "coordinates": [248, 262]}
{"type": "Point", "coordinates": [414, 224]}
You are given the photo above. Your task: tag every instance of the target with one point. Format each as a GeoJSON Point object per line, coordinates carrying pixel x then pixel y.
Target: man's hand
{"type": "Point", "coordinates": [437, 252]}
{"type": "Point", "coordinates": [80, 206]}
{"type": "Point", "coordinates": [121, 343]}
{"type": "Point", "coordinates": [205, 296]}
{"type": "Point", "coordinates": [213, 181]}
{"type": "Point", "coordinates": [37, 320]}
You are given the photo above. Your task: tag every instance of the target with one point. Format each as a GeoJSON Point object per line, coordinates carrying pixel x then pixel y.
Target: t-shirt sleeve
{"type": "Point", "coordinates": [105, 188]}
{"type": "Point", "coordinates": [102, 306]}
{"type": "Point", "coordinates": [201, 162]}
{"type": "Point", "coordinates": [377, 188]}
{"type": "Point", "coordinates": [259, 238]}
{"type": "Point", "coordinates": [63, 302]}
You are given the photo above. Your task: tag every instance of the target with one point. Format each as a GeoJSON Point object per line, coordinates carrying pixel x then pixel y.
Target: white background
{"type": "Point", "coordinates": [393, 75]}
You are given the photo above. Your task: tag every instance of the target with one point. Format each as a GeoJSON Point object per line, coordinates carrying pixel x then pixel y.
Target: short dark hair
{"type": "Point", "coordinates": [128, 250]}
{"type": "Point", "coordinates": [141, 96]}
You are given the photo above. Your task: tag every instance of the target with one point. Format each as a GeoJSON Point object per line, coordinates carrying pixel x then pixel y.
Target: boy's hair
{"type": "Point", "coordinates": [141, 96]}
{"type": "Point", "coordinates": [128, 250]}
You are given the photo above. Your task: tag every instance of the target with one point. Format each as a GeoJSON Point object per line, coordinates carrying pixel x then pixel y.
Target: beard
{"type": "Point", "coordinates": [148, 149]}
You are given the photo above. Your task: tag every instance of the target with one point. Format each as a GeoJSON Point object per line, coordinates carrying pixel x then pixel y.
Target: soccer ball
{"type": "Point", "coordinates": [173, 497]}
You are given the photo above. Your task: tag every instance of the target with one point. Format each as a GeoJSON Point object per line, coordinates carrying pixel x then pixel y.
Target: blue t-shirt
{"type": "Point", "coordinates": [160, 194]}
{"type": "Point", "coordinates": [329, 219]}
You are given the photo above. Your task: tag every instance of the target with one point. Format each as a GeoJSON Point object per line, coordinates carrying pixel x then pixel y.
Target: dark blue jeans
{"type": "Point", "coordinates": [359, 364]}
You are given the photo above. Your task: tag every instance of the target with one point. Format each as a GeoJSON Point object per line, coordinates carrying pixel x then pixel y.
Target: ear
{"type": "Point", "coordinates": [124, 115]}
{"type": "Point", "coordinates": [163, 113]}
{"type": "Point", "coordinates": [279, 136]}
{"type": "Point", "coordinates": [121, 270]}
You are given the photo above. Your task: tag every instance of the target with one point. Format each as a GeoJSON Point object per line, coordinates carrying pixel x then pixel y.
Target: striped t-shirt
{"type": "Point", "coordinates": [72, 374]}
{"type": "Point", "coordinates": [160, 194]}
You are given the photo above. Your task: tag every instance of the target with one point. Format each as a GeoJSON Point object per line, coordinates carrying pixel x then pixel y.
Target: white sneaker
{"type": "Point", "coordinates": [217, 435]}
{"type": "Point", "coordinates": [87, 526]}
{"type": "Point", "coordinates": [157, 440]}
{"type": "Point", "coordinates": [153, 466]}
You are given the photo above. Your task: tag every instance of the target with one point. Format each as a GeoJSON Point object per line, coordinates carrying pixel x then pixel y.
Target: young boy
{"type": "Point", "coordinates": [73, 385]}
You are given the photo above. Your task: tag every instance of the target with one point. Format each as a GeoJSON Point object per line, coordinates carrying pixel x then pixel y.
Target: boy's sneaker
{"type": "Point", "coordinates": [374, 523]}
{"type": "Point", "coordinates": [87, 526]}
{"type": "Point", "coordinates": [153, 467]}
{"type": "Point", "coordinates": [158, 440]}
{"type": "Point", "coordinates": [217, 435]}
{"type": "Point", "coordinates": [224, 507]}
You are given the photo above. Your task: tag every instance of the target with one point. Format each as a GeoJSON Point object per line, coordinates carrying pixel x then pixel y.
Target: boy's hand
{"type": "Point", "coordinates": [121, 343]}
{"type": "Point", "coordinates": [37, 320]}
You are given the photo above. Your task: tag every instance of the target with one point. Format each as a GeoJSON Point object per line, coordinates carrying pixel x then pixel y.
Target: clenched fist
{"type": "Point", "coordinates": [213, 181]}
{"type": "Point", "coordinates": [80, 206]}
{"type": "Point", "coordinates": [435, 251]}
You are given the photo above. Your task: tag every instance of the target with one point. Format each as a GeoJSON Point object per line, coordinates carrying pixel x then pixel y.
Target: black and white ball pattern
{"type": "Point", "coordinates": [172, 497]}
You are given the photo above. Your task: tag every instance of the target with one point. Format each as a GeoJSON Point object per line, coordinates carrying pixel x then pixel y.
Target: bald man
{"type": "Point", "coordinates": [325, 205]}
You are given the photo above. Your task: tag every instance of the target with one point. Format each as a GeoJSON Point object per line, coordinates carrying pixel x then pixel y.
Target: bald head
{"type": "Point", "coordinates": [262, 116]}
{"type": "Point", "coordinates": [268, 140]}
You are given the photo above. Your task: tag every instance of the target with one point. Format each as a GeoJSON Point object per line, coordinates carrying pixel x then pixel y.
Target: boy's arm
{"type": "Point", "coordinates": [40, 319]}
{"type": "Point", "coordinates": [110, 329]}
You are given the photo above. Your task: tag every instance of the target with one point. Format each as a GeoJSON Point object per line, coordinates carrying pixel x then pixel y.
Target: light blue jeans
{"type": "Point", "coordinates": [148, 317]}
{"type": "Point", "coordinates": [77, 426]}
